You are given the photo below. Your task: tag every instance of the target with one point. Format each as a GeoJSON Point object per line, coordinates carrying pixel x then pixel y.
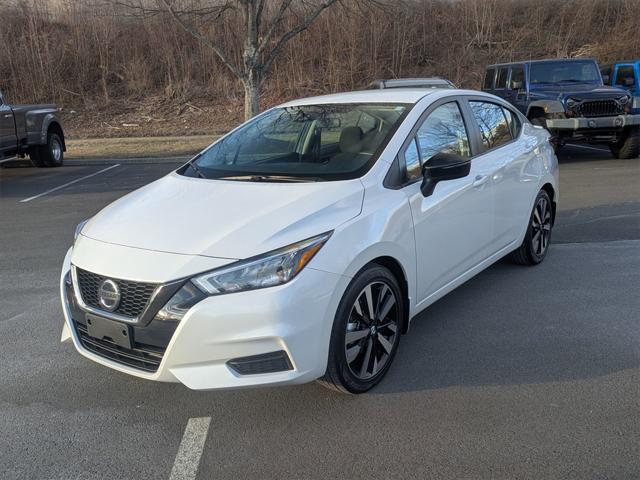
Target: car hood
{"type": "Point", "coordinates": [224, 219]}
{"type": "Point", "coordinates": [581, 91]}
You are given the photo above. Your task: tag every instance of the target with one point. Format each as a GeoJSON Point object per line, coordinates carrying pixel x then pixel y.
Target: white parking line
{"type": "Point", "coordinates": [585, 146]}
{"type": "Point", "coordinates": [185, 466]}
{"type": "Point", "coordinates": [70, 183]}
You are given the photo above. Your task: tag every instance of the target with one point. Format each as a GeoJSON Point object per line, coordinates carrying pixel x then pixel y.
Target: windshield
{"type": "Point", "coordinates": [302, 143]}
{"type": "Point", "coordinates": [562, 72]}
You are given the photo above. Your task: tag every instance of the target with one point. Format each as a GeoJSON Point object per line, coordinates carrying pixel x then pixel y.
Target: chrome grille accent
{"type": "Point", "coordinates": [599, 108]}
{"type": "Point", "coordinates": [134, 295]}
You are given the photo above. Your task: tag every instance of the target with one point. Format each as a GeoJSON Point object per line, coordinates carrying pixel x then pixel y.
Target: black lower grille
{"type": "Point", "coordinates": [134, 296]}
{"type": "Point", "coordinates": [599, 108]}
{"type": "Point", "coordinates": [265, 363]}
{"type": "Point", "coordinates": [142, 357]}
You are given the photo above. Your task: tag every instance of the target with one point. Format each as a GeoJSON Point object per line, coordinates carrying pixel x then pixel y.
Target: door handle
{"type": "Point", "coordinates": [480, 180]}
{"type": "Point", "coordinates": [8, 115]}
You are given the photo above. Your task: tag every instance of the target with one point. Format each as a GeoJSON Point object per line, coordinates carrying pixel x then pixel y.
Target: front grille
{"type": "Point", "coordinates": [599, 108]}
{"type": "Point", "coordinates": [141, 356]}
{"type": "Point", "coordinates": [134, 296]}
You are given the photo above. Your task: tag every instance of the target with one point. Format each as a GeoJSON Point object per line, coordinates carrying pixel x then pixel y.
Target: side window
{"type": "Point", "coordinates": [513, 121]}
{"type": "Point", "coordinates": [492, 123]}
{"type": "Point", "coordinates": [517, 77]}
{"type": "Point", "coordinates": [501, 81]}
{"type": "Point", "coordinates": [623, 74]}
{"type": "Point", "coordinates": [412, 161]}
{"type": "Point", "coordinates": [488, 79]}
{"type": "Point", "coordinates": [442, 131]}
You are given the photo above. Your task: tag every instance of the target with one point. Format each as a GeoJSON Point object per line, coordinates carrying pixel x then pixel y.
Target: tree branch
{"type": "Point", "coordinates": [274, 24]}
{"type": "Point", "coordinates": [275, 51]}
{"type": "Point", "coordinates": [223, 57]}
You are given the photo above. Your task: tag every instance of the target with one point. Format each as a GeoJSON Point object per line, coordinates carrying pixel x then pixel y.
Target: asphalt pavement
{"type": "Point", "coordinates": [521, 373]}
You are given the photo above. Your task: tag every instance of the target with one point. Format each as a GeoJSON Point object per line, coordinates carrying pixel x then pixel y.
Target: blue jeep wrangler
{"type": "Point", "coordinates": [569, 98]}
{"type": "Point", "coordinates": [624, 75]}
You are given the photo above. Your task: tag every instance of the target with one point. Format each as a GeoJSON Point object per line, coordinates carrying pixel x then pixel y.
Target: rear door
{"type": "Point", "coordinates": [7, 128]}
{"type": "Point", "coordinates": [515, 173]}
{"type": "Point", "coordinates": [516, 92]}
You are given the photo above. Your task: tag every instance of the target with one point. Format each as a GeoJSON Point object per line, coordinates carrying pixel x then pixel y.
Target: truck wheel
{"type": "Point", "coordinates": [628, 146]}
{"type": "Point", "coordinates": [49, 155]}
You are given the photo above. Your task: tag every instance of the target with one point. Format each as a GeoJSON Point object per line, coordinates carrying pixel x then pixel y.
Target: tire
{"type": "Point", "coordinates": [49, 155]}
{"type": "Point", "coordinates": [36, 159]}
{"type": "Point", "coordinates": [536, 241]}
{"type": "Point", "coordinates": [629, 145]}
{"type": "Point", "coordinates": [362, 349]}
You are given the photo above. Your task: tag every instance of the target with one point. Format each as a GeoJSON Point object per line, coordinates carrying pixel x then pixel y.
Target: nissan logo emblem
{"type": "Point", "coordinates": [109, 295]}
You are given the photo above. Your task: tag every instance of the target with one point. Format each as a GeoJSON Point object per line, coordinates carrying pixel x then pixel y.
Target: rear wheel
{"type": "Point", "coordinates": [366, 332]}
{"type": "Point", "coordinates": [628, 146]}
{"type": "Point", "coordinates": [49, 155]}
{"type": "Point", "coordinates": [536, 241]}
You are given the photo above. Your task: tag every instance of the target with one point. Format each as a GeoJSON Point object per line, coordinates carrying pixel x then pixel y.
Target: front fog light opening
{"type": "Point", "coordinates": [272, 362]}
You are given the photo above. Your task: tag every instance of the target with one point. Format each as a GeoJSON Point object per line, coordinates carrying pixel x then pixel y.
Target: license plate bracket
{"type": "Point", "coordinates": [104, 329]}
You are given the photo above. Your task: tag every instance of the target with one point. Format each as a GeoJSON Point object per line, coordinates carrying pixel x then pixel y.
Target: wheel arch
{"type": "Point", "coordinates": [55, 127]}
{"type": "Point", "coordinates": [547, 187]}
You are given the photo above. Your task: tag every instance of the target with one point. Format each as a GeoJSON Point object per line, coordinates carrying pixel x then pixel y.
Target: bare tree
{"type": "Point", "coordinates": [263, 30]}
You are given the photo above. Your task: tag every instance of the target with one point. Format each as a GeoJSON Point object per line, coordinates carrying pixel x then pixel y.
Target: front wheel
{"type": "Point", "coordinates": [366, 332]}
{"type": "Point", "coordinates": [536, 241]}
{"type": "Point", "coordinates": [628, 146]}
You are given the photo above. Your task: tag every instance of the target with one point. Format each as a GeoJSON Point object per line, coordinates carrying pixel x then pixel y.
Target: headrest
{"type": "Point", "coordinates": [350, 140]}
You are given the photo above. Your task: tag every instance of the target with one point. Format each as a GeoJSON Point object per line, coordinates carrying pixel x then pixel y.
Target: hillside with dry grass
{"type": "Point", "coordinates": [118, 73]}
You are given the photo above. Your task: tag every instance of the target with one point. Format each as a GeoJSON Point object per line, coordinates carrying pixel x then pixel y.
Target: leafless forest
{"type": "Point", "coordinates": [118, 72]}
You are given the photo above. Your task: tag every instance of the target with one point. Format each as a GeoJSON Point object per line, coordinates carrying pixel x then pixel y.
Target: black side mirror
{"type": "Point", "coordinates": [441, 167]}
{"type": "Point", "coordinates": [516, 85]}
{"type": "Point", "coordinates": [606, 79]}
{"type": "Point", "coordinates": [628, 82]}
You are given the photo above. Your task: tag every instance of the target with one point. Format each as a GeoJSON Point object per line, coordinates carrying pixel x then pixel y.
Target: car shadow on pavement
{"type": "Point", "coordinates": [560, 321]}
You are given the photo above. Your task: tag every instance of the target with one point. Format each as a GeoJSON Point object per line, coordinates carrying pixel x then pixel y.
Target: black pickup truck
{"type": "Point", "coordinates": [35, 130]}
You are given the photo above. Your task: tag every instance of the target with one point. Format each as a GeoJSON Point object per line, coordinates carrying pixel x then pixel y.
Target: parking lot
{"type": "Point", "coordinates": [520, 373]}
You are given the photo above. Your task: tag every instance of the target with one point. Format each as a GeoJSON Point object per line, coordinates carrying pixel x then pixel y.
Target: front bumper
{"type": "Point", "coordinates": [583, 123]}
{"type": "Point", "coordinates": [295, 318]}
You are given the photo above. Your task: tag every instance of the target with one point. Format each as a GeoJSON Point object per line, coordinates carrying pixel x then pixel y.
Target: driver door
{"type": "Point", "coordinates": [454, 225]}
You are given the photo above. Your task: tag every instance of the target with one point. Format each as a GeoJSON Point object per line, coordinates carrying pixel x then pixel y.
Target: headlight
{"type": "Point", "coordinates": [273, 268]}
{"type": "Point", "coordinates": [624, 100]}
{"type": "Point", "coordinates": [180, 303]}
{"type": "Point", "coordinates": [79, 228]}
{"type": "Point", "coordinates": [571, 102]}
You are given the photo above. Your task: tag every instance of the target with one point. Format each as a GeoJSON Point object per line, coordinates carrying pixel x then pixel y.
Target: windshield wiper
{"type": "Point", "coordinates": [269, 178]}
{"type": "Point", "coordinates": [195, 168]}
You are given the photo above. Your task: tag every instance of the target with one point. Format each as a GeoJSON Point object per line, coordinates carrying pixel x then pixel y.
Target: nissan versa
{"type": "Point", "coordinates": [300, 245]}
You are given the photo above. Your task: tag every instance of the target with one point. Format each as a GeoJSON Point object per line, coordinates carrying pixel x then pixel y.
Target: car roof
{"type": "Point", "coordinates": [392, 96]}
{"type": "Point", "coordinates": [546, 60]}
{"type": "Point", "coordinates": [395, 95]}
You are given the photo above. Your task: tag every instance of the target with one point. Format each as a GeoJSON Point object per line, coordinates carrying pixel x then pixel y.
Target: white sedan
{"type": "Point", "coordinates": [300, 245]}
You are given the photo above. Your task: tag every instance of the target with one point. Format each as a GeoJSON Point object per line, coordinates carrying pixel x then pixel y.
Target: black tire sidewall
{"type": "Point", "coordinates": [535, 258]}
{"type": "Point", "coordinates": [337, 355]}
{"type": "Point", "coordinates": [49, 161]}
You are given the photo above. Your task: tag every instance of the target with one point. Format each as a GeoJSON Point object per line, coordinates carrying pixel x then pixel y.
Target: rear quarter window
{"type": "Point", "coordinates": [501, 81]}
{"type": "Point", "coordinates": [487, 84]}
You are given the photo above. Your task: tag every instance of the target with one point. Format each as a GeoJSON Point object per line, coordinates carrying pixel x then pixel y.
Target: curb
{"type": "Point", "coordinates": [82, 162]}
